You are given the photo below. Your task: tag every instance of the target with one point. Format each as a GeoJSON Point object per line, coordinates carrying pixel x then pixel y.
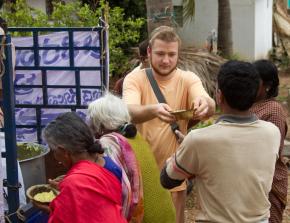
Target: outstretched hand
{"type": "Point", "coordinates": [162, 112]}
{"type": "Point", "coordinates": [201, 108]}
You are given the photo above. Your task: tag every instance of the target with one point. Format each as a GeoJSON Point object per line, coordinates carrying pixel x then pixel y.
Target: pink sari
{"type": "Point", "coordinates": [120, 151]}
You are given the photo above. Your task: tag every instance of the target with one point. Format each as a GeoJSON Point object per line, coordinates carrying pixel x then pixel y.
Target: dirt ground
{"type": "Point", "coordinates": [285, 100]}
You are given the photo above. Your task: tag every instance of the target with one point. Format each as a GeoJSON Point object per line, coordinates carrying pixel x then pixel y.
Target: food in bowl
{"type": "Point", "coordinates": [44, 197]}
{"type": "Point", "coordinates": [27, 150]}
{"type": "Point", "coordinates": [42, 193]}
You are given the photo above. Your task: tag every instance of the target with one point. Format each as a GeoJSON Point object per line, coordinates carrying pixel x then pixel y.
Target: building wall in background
{"type": "Point", "coordinates": [263, 28]}
{"type": "Point", "coordinates": [251, 26]}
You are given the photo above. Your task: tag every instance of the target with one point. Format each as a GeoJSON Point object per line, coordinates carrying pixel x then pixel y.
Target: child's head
{"type": "Point", "coordinates": [269, 75]}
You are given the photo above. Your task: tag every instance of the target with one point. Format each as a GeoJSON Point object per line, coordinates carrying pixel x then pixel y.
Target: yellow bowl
{"type": "Point", "coordinates": [183, 114]}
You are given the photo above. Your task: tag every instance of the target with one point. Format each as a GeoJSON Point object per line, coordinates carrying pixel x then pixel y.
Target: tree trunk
{"type": "Point", "coordinates": [49, 7]}
{"type": "Point", "coordinates": [225, 43]}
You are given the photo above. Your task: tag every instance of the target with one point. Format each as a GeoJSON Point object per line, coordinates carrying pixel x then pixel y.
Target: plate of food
{"type": "Point", "coordinates": [183, 114]}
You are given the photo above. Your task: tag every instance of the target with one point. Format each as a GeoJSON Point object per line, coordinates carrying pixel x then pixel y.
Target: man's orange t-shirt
{"type": "Point", "coordinates": [179, 92]}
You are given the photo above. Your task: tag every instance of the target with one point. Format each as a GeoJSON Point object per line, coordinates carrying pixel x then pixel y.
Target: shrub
{"type": "Point", "coordinates": [123, 32]}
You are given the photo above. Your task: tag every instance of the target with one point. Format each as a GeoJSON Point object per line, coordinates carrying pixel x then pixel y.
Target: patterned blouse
{"type": "Point", "coordinates": [270, 110]}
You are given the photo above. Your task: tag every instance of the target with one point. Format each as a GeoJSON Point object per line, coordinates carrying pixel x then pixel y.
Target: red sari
{"type": "Point", "coordinates": [88, 193]}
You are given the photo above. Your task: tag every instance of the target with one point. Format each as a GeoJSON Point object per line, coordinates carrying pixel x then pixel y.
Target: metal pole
{"type": "Point", "coordinates": [105, 45]}
{"type": "Point", "coordinates": [10, 132]}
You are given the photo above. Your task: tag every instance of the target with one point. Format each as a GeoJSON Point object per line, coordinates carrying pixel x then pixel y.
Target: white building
{"type": "Point", "coordinates": [251, 26]}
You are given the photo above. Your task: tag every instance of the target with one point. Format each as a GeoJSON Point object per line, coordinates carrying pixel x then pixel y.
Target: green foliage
{"type": "Point", "coordinates": [202, 124]}
{"type": "Point", "coordinates": [123, 32]}
{"type": "Point", "coordinates": [280, 58]}
{"type": "Point", "coordinates": [234, 56]}
{"type": "Point", "coordinates": [74, 14]}
{"type": "Point", "coordinates": [132, 8]}
{"type": "Point", "coordinates": [285, 61]}
{"type": "Point", "coordinates": [188, 10]}
{"type": "Point", "coordinates": [122, 35]}
{"type": "Point", "coordinates": [21, 15]}
{"type": "Point", "coordinates": [281, 98]}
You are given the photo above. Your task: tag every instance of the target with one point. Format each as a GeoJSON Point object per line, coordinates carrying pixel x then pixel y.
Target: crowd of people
{"type": "Point", "coordinates": [131, 159]}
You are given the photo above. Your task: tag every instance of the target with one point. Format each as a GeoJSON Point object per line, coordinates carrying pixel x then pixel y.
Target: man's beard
{"type": "Point", "coordinates": [160, 72]}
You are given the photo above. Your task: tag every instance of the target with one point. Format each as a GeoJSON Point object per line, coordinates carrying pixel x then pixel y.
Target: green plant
{"type": "Point", "coordinates": [202, 124]}
{"type": "Point", "coordinates": [74, 14]}
{"type": "Point", "coordinates": [122, 35]}
{"type": "Point", "coordinates": [19, 14]}
{"type": "Point", "coordinates": [282, 98]}
{"type": "Point", "coordinates": [28, 150]}
{"type": "Point", "coordinates": [235, 56]}
{"type": "Point", "coordinates": [285, 61]}
{"type": "Point", "coordinates": [123, 32]}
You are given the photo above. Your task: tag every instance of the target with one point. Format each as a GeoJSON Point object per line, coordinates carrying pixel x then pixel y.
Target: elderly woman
{"type": "Point", "coordinates": [109, 118]}
{"type": "Point", "coordinates": [268, 109]}
{"type": "Point", "coordinates": [91, 190]}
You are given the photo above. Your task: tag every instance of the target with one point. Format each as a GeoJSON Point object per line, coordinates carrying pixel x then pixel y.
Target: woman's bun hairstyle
{"type": "Point", "coordinates": [128, 130]}
{"type": "Point", "coordinates": [96, 148]}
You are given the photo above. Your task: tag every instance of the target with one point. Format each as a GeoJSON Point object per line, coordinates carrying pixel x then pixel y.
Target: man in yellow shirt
{"type": "Point", "coordinates": [181, 89]}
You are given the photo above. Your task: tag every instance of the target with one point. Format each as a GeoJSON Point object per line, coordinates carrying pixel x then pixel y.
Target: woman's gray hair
{"type": "Point", "coordinates": [70, 132]}
{"type": "Point", "coordinates": [107, 113]}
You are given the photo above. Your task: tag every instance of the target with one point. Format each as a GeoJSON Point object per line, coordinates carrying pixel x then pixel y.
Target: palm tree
{"type": "Point", "coordinates": [225, 43]}
{"type": "Point", "coordinates": [49, 6]}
